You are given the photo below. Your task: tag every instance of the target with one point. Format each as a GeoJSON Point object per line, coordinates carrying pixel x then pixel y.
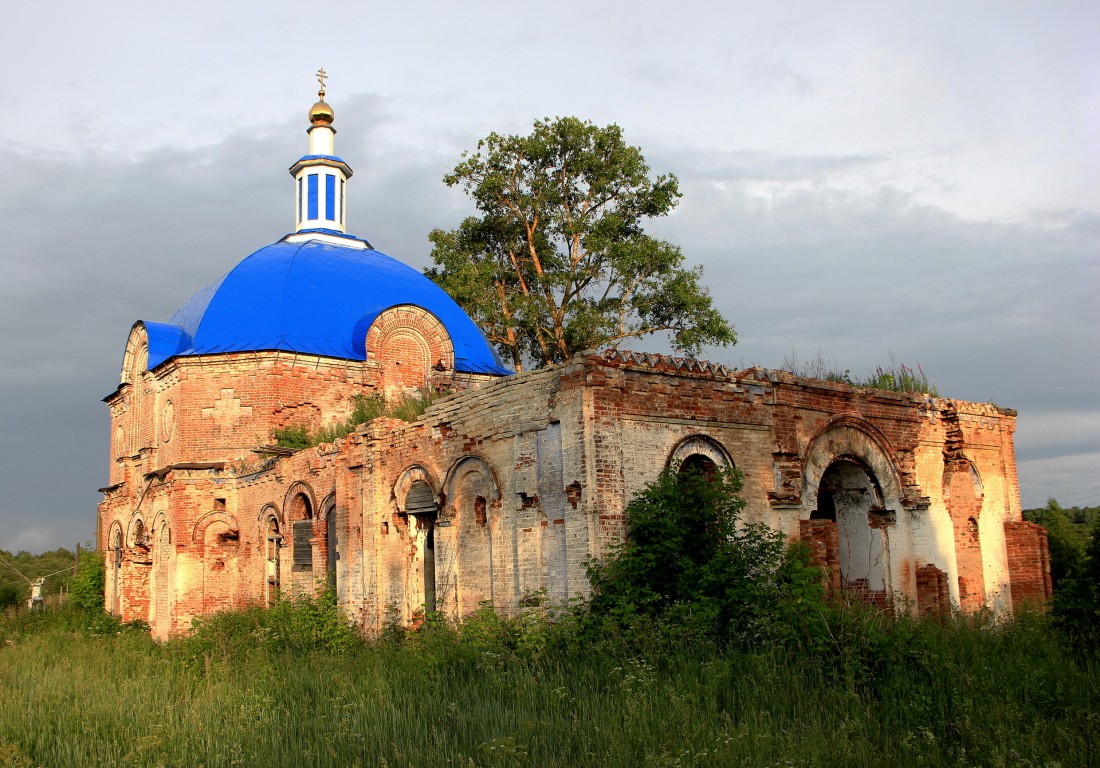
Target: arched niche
{"type": "Point", "coordinates": [115, 540]}
{"type": "Point", "coordinates": [162, 522]}
{"type": "Point", "coordinates": [470, 478]}
{"type": "Point", "coordinates": [198, 531]}
{"type": "Point", "coordinates": [135, 358]}
{"type": "Point", "coordinates": [219, 537]}
{"type": "Point", "coordinates": [162, 591]}
{"type": "Point", "coordinates": [964, 499]}
{"type": "Point", "coordinates": [137, 533]}
{"type": "Point", "coordinates": [406, 342]}
{"type": "Point", "coordinates": [473, 496]}
{"type": "Point", "coordinates": [137, 422]}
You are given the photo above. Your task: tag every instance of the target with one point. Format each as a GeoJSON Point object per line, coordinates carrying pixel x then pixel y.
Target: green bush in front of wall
{"type": "Point", "coordinates": [692, 565]}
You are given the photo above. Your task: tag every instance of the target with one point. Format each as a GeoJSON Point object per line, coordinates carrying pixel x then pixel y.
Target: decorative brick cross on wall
{"type": "Point", "coordinates": [227, 410]}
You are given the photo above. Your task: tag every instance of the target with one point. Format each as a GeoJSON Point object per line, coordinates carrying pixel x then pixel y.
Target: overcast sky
{"type": "Point", "coordinates": [859, 178]}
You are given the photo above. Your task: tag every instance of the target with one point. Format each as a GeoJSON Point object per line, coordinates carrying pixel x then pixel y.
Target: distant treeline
{"type": "Point", "coordinates": [18, 570]}
{"type": "Point", "coordinates": [1068, 534]}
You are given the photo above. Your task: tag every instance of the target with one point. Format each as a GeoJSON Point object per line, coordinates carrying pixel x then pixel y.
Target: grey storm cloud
{"type": "Point", "coordinates": [917, 180]}
{"type": "Point", "coordinates": [990, 310]}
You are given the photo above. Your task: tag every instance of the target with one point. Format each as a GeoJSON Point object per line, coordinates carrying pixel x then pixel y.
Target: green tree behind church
{"type": "Point", "coordinates": [557, 261]}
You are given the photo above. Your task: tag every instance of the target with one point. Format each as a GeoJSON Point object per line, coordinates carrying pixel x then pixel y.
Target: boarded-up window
{"type": "Point", "coordinates": [303, 549]}
{"type": "Point", "coordinates": [419, 500]}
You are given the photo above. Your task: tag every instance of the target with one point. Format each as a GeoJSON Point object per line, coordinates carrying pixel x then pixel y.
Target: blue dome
{"type": "Point", "coordinates": [314, 297]}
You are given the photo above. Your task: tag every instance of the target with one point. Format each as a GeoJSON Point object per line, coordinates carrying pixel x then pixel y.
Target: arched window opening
{"type": "Point", "coordinates": [850, 495]}
{"type": "Point", "coordinates": [699, 464]}
{"type": "Point", "coordinates": [332, 545]}
{"type": "Point", "coordinates": [116, 570]}
{"type": "Point", "coordinates": [420, 504]}
{"type": "Point", "coordinates": [273, 541]}
{"type": "Point", "coordinates": [301, 515]}
{"type": "Point", "coordinates": [694, 469]}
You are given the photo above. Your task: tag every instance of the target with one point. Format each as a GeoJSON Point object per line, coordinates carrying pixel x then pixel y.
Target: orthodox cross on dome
{"type": "Point", "coordinates": [321, 75]}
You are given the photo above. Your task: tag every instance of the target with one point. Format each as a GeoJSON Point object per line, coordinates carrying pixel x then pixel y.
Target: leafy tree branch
{"type": "Point", "coordinates": [557, 259]}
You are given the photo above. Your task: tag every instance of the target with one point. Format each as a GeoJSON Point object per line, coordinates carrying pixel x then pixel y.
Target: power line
{"type": "Point", "coordinates": [7, 564]}
{"type": "Point", "coordinates": [1085, 502]}
{"type": "Point", "coordinates": [63, 570]}
{"type": "Point", "coordinates": [1078, 493]}
{"type": "Point", "coordinates": [12, 567]}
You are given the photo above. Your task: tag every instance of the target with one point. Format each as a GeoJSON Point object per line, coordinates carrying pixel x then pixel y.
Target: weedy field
{"type": "Point", "coordinates": [704, 641]}
{"type": "Point", "coordinates": [296, 687]}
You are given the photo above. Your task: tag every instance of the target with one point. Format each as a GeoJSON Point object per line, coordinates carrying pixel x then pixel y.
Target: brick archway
{"type": "Point", "coordinates": [856, 439]}
{"type": "Point", "coordinates": [700, 446]}
{"type": "Point", "coordinates": [851, 492]}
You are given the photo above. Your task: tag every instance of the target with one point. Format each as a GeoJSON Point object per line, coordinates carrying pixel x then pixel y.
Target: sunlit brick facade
{"type": "Point", "coordinates": [508, 488]}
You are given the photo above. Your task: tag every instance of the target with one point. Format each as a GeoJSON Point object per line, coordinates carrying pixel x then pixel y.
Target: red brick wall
{"type": "Point", "coordinates": [933, 595]}
{"type": "Point", "coordinates": [1028, 563]}
{"type": "Point", "coordinates": [964, 505]}
{"type": "Point", "coordinates": [822, 537]}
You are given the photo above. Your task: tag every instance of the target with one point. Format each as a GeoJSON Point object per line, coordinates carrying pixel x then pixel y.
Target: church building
{"type": "Point", "coordinates": [509, 485]}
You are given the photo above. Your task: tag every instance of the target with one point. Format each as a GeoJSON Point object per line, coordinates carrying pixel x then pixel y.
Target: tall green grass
{"type": "Point", "coordinates": [896, 376]}
{"type": "Point", "coordinates": [518, 692]}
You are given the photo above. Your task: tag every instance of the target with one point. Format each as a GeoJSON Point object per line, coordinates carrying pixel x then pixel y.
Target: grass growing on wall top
{"type": "Point", "coordinates": [409, 407]}
{"type": "Point", "coordinates": [895, 376]}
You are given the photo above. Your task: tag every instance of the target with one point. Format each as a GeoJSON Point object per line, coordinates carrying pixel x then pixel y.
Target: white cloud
{"type": "Point", "coordinates": [35, 538]}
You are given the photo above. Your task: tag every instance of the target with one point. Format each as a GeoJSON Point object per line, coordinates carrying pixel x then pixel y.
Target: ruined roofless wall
{"type": "Point", "coordinates": [527, 478]}
{"type": "Point", "coordinates": [569, 446]}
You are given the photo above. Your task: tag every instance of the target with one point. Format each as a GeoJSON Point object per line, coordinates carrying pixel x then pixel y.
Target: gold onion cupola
{"type": "Point", "coordinates": [320, 178]}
